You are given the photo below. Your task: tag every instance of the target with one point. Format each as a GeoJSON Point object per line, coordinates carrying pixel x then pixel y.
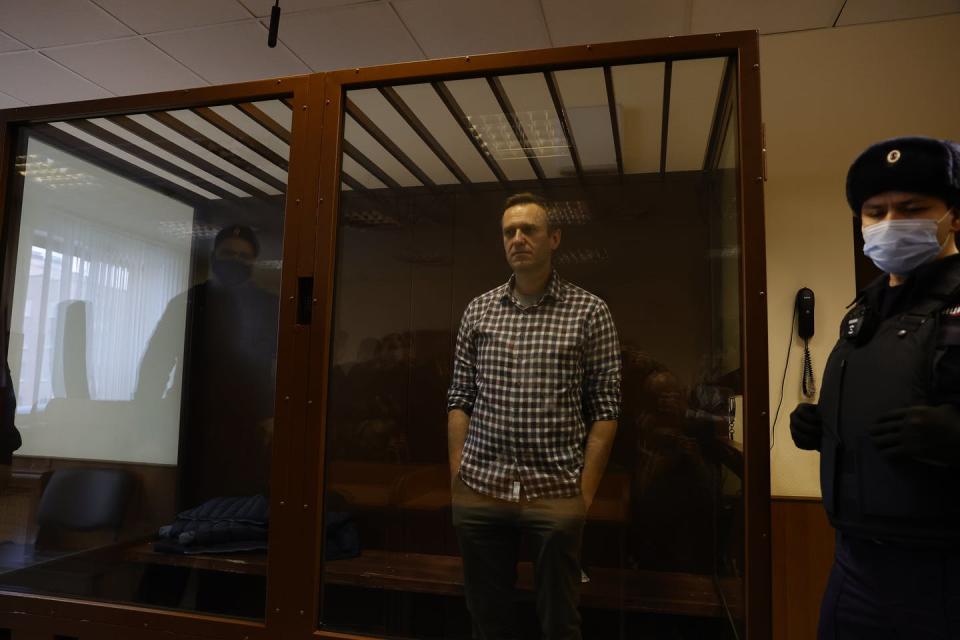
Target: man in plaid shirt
{"type": "Point", "coordinates": [532, 411]}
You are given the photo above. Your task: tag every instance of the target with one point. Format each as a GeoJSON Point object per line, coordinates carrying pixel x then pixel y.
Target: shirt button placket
{"type": "Point", "coordinates": [521, 367]}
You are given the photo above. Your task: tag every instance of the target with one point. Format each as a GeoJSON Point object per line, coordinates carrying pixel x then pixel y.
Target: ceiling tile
{"type": "Point", "coordinates": [149, 17]}
{"type": "Point", "coordinates": [445, 28]}
{"type": "Point", "coordinates": [767, 16]}
{"type": "Point", "coordinates": [229, 53]}
{"type": "Point", "coordinates": [9, 44]}
{"type": "Point", "coordinates": [36, 79]}
{"type": "Point", "coordinates": [864, 11]}
{"type": "Point", "coordinates": [9, 102]}
{"type": "Point", "coordinates": [327, 39]}
{"type": "Point", "coordinates": [578, 22]}
{"type": "Point", "coordinates": [126, 66]}
{"type": "Point", "coordinates": [261, 8]}
{"type": "Point", "coordinates": [48, 23]}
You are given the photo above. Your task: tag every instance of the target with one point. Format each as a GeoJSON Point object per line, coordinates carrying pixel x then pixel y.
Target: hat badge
{"type": "Point", "coordinates": [893, 156]}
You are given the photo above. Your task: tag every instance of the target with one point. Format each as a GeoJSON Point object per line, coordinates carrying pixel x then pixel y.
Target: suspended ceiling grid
{"type": "Point", "coordinates": [65, 50]}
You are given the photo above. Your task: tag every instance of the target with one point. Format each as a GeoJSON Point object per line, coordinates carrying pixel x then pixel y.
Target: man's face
{"type": "Point", "coordinates": [526, 241]}
{"type": "Point", "coordinates": [235, 249]}
{"type": "Point", "coordinates": [233, 261]}
{"type": "Point", "coordinates": [902, 205]}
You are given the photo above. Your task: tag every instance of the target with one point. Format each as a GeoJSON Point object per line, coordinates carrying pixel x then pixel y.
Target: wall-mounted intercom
{"type": "Point", "coordinates": [805, 303]}
{"type": "Point", "coordinates": [803, 322]}
{"type": "Point", "coordinates": [805, 327]}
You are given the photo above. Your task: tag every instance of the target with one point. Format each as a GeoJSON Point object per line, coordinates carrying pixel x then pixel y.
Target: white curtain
{"type": "Point", "coordinates": [125, 282]}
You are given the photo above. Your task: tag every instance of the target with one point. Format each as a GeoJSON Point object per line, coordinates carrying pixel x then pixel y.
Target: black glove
{"type": "Point", "coordinates": [806, 427]}
{"type": "Point", "coordinates": [926, 433]}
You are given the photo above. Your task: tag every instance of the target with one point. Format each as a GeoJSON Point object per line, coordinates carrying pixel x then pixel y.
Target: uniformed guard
{"type": "Point", "coordinates": [887, 423]}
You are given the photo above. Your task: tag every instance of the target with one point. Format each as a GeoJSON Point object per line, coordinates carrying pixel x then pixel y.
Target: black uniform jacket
{"type": "Point", "coordinates": [899, 347]}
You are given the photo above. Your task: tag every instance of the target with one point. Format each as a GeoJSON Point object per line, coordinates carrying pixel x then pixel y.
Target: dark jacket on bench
{"type": "Point", "coordinates": [219, 525]}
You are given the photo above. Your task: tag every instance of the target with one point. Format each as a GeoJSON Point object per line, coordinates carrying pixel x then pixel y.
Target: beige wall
{"type": "Point", "coordinates": [827, 94]}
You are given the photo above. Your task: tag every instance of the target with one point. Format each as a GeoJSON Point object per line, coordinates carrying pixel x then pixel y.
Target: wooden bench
{"type": "Point", "coordinates": [634, 590]}
{"type": "Point", "coordinates": [661, 592]}
{"type": "Point", "coordinates": [254, 563]}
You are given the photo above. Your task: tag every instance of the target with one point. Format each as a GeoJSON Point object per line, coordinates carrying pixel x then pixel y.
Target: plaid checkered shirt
{"type": "Point", "coordinates": [532, 380]}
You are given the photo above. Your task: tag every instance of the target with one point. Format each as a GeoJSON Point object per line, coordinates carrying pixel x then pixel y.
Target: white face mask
{"type": "Point", "coordinates": [900, 246]}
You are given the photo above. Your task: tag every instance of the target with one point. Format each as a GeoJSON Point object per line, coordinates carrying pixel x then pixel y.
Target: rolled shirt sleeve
{"type": "Point", "coordinates": [462, 393]}
{"type": "Point", "coordinates": [601, 380]}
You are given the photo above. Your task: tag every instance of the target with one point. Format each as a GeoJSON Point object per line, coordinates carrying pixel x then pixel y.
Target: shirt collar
{"type": "Point", "coordinates": [554, 289]}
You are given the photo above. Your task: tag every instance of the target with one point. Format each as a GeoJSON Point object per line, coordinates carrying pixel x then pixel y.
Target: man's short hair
{"type": "Point", "coordinates": [238, 231]}
{"type": "Point", "coordinates": [527, 197]}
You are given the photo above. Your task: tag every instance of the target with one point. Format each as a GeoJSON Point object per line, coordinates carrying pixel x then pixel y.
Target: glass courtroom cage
{"type": "Point", "coordinates": [231, 312]}
{"type": "Point", "coordinates": [649, 157]}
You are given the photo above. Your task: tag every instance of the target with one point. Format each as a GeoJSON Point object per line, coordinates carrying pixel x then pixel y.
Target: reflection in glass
{"type": "Point", "coordinates": [142, 349]}
{"type": "Point", "coordinates": [725, 267]}
{"type": "Point", "coordinates": [652, 232]}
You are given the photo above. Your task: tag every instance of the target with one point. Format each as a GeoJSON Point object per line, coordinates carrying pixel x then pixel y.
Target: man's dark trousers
{"type": "Point", "coordinates": [489, 533]}
{"type": "Point", "coordinates": [889, 591]}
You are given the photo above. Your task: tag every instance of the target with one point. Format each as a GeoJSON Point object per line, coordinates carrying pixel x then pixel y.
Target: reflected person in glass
{"type": "Point", "coordinates": [227, 376]}
{"type": "Point", "coordinates": [671, 478]}
{"type": "Point", "coordinates": [532, 414]}
{"type": "Point", "coordinates": [10, 439]}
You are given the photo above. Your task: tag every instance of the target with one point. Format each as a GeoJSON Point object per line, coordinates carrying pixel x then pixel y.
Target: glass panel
{"type": "Point", "coordinates": [142, 353]}
{"type": "Point", "coordinates": [584, 96]}
{"type": "Point", "coordinates": [368, 148]}
{"type": "Point", "coordinates": [490, 126]}
{"type": "Point", "coordinates": [639, 96]}
{"type": "Point", "coordinates": [660, 547]}
{"type": "Point", "coordinates": [695, 85]}
{"type": "Point", "coordinates": [423, 99]}
{"type": "Point", "coordinates": [723, 381]}
{"type": "Point", "coordinates": [198, 145]}
{"type": "Point", "coordinates": [208, 130]}
{"type": "Point", "coordinates": [355, 171]}
{"type": "Point", "coordinates": [387, 118]}
{"type": "Point", "coordinates": [536, 115]}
